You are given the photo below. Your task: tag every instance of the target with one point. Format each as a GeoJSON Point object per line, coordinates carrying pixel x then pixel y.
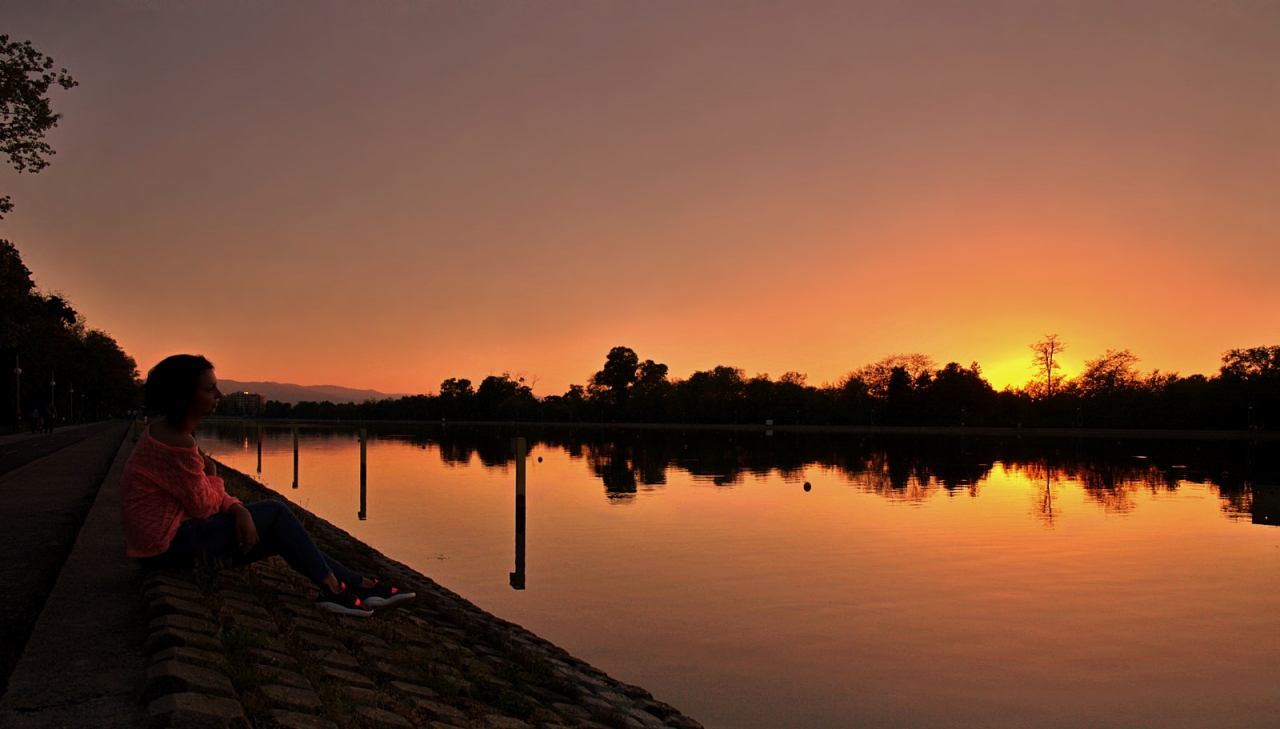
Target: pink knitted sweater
{"type": "Point", "coordinates": [164, 486]}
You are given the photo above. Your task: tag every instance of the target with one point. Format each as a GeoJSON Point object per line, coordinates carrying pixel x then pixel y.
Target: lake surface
{"type": "Point", "coordinates": [918, 582]}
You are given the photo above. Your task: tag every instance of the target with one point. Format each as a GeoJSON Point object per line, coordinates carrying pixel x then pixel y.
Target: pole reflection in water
{"type": "Point", "coordinates": [295, 456]}
{"type": "Point", "coordinates": [364, 438]}
{"type": "Point", "coordinates": [520, 446]}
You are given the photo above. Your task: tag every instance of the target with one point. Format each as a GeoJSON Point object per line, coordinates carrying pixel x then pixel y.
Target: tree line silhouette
{"type": "Point", "coordinates": [900, 390]}
{"type": "Point", "coordinates": [45, 337]}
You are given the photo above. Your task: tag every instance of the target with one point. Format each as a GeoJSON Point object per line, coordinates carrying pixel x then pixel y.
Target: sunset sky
{"type": "Point", "coordinates": [384, 194]}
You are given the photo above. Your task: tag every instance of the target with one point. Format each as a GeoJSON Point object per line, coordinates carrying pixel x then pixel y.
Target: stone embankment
{"type": "Point", "coordinates": [247, 647]}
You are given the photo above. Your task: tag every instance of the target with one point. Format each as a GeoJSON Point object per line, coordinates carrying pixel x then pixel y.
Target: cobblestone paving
{"type": "Point", "coordinates": [247, 647]}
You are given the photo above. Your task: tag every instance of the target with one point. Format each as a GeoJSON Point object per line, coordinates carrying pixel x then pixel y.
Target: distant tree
{"type": "Point", "coordinates": [959, 395]}
{"type": "Point", "coordinates": [649, 396]}
{"type": "Point", "coordinates": [108, 375]}
{"type": "Point", "coordinates": [277, 409]}
{"type": "Point", "coordinates": [1252, 363]}
{"type": "Point", "coordinates": [899, 397]}
{"type": "Point", "coordinates": [850, 402]}
{"type": "Point", "coordinates": [16, 294]}
{"type": "Point", "coordinates": [1045, 361]}
{"type": "Point", "coordinates": [793, 378]}
{"type": "Point", "coordinates": [1111, 372]}
{"type": "Point", "coordinates": [651, 374]}
{"type": "Point", "coordinates": [25, 113]}
{"type": "Point", "coordinates": [875, 376]}
{"type": "Point", "coordinates": [456, 388]}
{"type": "Point", "coordinates": [612, 385]}
{"type": "Point", "coordinates": [1250, 386]}
{"type": "Point", "coordinates": [456, 398]}
{"type": "Point", "coordinates": [571, 406]}
{"type": "Point", "coordinates": [504, 397]}
{"type": "Point", "coordinates": [713, 396]}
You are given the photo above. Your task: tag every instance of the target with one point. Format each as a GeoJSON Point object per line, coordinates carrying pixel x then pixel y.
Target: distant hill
{"type": "Point", "coordinates": [293, 394]}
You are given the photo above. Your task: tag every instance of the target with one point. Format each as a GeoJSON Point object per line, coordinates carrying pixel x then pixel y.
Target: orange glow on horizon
{"type": "Point", "coordinates": [520, 189]}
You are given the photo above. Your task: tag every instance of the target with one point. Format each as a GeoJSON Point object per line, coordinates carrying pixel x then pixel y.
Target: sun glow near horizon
{"type": "Point", "coordinates": [787, 187]}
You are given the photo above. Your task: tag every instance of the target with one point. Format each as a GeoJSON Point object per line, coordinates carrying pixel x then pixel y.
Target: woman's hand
{"type": "Point", "coordinates": [246, 531]}
{"type": "Point", "coordinates": [210, 468]}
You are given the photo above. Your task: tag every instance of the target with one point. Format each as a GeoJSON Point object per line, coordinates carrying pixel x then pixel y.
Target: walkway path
{"type": "Point", "coordinates": [48, 484]}
{"type": "Point", "coordinates": [23, 448]}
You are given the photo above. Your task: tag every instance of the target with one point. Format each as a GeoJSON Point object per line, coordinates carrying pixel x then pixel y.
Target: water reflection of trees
{"type": "Point", "coordinates": [1112, 486]}
{"type": "Point", "coordinates": [910, 469]}
{"type": "Point", "coordinates": [623, 466]}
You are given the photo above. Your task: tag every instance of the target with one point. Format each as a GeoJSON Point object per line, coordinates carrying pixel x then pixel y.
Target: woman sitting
{"type": "Point", "coordinates": [177, 513]}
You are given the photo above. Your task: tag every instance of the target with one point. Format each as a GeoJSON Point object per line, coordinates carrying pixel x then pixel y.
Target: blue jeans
{"type": "Point", "coordinates": [214, 540]}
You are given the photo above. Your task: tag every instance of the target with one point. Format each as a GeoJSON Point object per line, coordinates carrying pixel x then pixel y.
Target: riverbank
{"type": "Point", "coordinates": [246, 647]}
{"type": "Point", "coordinates": [439, 661]}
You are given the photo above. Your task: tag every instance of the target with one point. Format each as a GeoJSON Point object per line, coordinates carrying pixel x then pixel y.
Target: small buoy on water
{"type": "Point", "coordinates": [539, 459]}
{"type": "Point", "coordinates": [808, 486]}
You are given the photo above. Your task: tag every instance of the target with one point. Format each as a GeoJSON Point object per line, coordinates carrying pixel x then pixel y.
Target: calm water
{"type": "Point", "coordinates": [920, 582]}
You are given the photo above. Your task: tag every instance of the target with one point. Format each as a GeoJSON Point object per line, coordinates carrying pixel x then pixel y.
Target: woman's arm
{"type": "Point", "coordinates": [200, 494]}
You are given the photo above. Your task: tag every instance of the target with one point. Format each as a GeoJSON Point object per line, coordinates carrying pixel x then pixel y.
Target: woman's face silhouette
{"type": "Point", "coordinates": [207, 395]}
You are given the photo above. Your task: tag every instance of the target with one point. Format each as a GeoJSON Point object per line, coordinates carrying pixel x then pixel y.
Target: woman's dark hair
{"type": "Point", "coordinates": [172, 384]}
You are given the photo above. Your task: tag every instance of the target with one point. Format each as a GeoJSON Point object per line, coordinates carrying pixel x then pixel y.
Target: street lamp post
{"type": "Point", "coordinates": [53, 402]}
{"type": "Point", "coordinates": [17, 386]}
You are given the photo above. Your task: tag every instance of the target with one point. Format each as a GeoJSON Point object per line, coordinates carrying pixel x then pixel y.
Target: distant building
{"type": "Point", "coordinates": [241, 404]}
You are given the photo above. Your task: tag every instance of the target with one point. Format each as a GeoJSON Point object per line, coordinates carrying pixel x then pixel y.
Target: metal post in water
{"type": "Point", "coordinates": [521, 448]}
{"type": "Point", "coordinates": [295, 456]}
{"type": "Point", "coordinates": [364, 438]}
{"type": "Point", "coordinates": [259, 449]}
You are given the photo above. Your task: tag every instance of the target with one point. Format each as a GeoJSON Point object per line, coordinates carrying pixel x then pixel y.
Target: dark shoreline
{"type": "Point", "coordinates": [1134, 433]}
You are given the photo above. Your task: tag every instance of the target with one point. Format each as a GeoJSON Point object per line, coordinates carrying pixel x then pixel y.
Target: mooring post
{"type": "Point", "coordinates": [259, 449]}
{"type": "Point", "coordinates": [364, 438]}
{"type": "Point", "coordinates": [295, 456]}
{"type": "Point", "coordinates": [521, 448]}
